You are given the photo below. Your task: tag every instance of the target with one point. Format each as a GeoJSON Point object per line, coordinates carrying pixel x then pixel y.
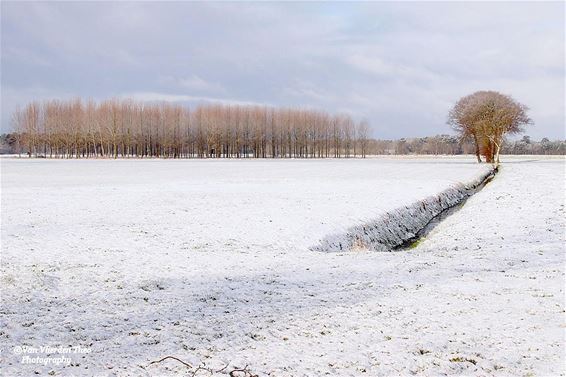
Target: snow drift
{"type": "Point", "coordinates": [400, 225]}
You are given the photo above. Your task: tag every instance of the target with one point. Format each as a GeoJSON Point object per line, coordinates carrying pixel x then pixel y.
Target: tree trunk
{"type": "Point", "coordinates": [496, 159]}
{"type": "Point", "coordinates": [477, 148]}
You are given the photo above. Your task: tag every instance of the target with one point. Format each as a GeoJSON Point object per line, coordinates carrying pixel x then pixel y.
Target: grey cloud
{"type": "Point", "coordinates": [400, 65]}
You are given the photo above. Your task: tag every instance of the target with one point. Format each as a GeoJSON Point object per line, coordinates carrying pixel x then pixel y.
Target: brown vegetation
{"type": "Point", "coordinates": [132, 129]}
{"type": "Point", "coordinates": [124, 128]}
{"type": "Point", "coordinates": [486, 117]}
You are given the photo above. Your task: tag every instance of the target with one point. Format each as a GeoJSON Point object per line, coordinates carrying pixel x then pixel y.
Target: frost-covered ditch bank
{"type": "Point", "coordinates": [403, 226]}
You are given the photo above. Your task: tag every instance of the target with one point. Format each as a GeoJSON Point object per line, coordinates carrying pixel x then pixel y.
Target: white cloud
{"type": "Point", "coordinates": [193, 83]}
{"type": "Point", "coordinates": [170, 97]}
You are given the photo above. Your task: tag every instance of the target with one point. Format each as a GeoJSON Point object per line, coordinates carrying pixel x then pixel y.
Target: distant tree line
{"type": "Point", "coordinates": [124, 128]}
{"type": "Point", "coordinates": [430, 145]}
{"type": "Point", "coordinates": [454, 145]}
{"type": "Point", "coordinates": [528, 146]}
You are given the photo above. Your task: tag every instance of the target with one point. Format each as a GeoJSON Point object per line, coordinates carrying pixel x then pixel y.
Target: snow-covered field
{"type": "Point", "coordinates": [209, 261]}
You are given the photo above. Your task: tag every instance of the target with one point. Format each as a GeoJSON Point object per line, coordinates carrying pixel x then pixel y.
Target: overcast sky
{"type": "Point", "coordinates": [399, 65]}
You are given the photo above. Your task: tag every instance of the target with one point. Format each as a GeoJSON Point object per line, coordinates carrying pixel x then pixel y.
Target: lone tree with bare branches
{"type": "Point", "coordinates": [486, 117]}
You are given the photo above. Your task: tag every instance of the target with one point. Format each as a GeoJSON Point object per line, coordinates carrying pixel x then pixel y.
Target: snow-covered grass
{"type": "Point", "coordinates": [209, 261]}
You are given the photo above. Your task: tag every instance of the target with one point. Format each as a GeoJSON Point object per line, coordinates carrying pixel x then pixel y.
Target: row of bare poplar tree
{"type": "Point", "coordinates": [125, 128]}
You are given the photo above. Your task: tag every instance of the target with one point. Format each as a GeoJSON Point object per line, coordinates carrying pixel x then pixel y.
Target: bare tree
{"type": "Point", "coordinates": [363, 131]}
{"type": "Point", "coordinates": [488, 116]}
{"type": "Point", "coordinates": [461, 120]}
{"type": "Point", "coordinates": [124, 128]}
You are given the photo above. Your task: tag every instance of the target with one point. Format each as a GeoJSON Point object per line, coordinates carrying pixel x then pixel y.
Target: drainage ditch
{"type": "Point", "coordinates": [404, 227]}
{"type": "Point", "coordinates": [425, 231]}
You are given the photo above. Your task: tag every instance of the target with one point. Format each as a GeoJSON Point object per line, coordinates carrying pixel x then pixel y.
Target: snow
{"type": "Point", "coordinates": [210, 261]}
